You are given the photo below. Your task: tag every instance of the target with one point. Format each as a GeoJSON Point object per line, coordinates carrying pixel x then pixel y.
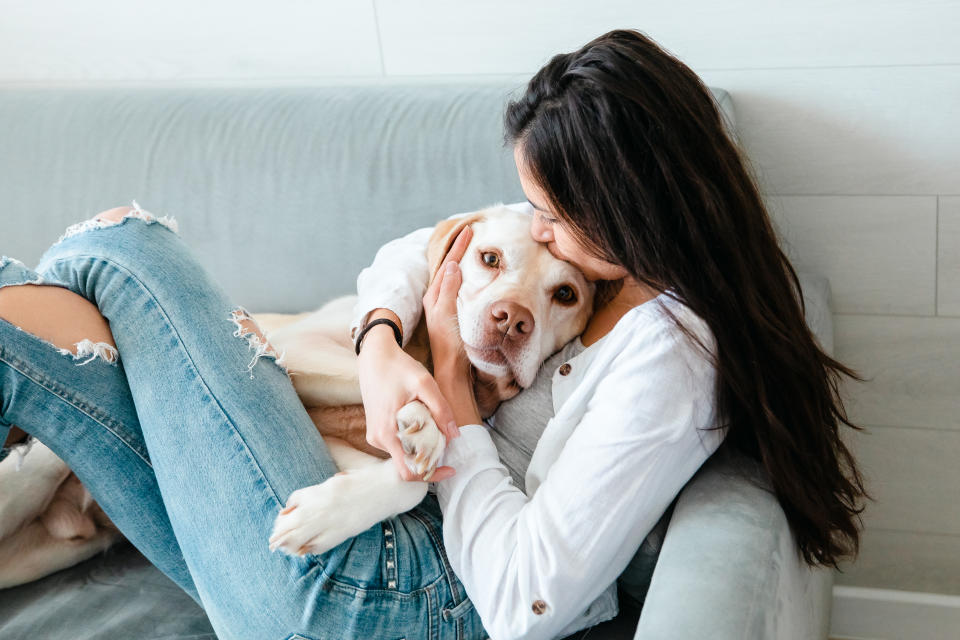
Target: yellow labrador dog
{"type": "Point", "coordinates": [517, 305]}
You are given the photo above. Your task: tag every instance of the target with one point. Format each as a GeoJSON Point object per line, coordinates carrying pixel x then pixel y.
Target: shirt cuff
{"type": "Point", "coordinates": [473, 445]}
{"type": "Point", "coordinates": [469, 454]}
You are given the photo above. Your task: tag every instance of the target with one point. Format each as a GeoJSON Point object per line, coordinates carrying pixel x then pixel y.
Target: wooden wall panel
{"type": "Point", "coordinates": [913, 474]}
{"type": "Point", "coordinates": [948, 257]}
{"type": "Point", "coordinates": [849, 131]}
{"type": "Point", "coordinates": [912, 365]}
{"type": "Point", "coordinates": [878, 251]}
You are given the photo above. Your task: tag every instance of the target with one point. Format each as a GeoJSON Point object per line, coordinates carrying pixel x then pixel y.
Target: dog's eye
{"type": "Point", "coordinates": [490, 259]}
{"type": "Point", "coordinates": [565, 295]}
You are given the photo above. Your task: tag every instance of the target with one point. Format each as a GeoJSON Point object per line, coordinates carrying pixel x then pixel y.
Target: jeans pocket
{"type": "Point", "coordinates": [458, 611]}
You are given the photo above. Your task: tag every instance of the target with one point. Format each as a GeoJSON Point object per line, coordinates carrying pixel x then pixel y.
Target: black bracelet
{"type": "Point", "coordinates": [396, 331]}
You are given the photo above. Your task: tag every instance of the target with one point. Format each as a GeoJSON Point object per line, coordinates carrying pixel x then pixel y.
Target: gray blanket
{"type": "Point", "coordinates": [119, 594]}
{"type": "Point", "coordinates": [115, 594]}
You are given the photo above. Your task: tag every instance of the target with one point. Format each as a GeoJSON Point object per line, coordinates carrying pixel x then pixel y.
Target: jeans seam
{"type": "Point", "coordinates": [354, 590]}
{"type": "Point", "coordinates": [447, 570]}
{"type": "Point", "coordinates": [197, 376]}
{"type": "Point", "coordinates": [17, 365]}
{"type": "Point", "coordinates": [432, 624]}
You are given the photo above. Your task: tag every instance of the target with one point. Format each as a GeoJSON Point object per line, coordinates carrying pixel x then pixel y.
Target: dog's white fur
{"type": "Point", "coordinates": [510, 321]}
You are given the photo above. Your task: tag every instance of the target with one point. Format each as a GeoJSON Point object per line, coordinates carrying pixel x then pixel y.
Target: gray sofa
{"type": "Point", "coordinates": [285, 194]}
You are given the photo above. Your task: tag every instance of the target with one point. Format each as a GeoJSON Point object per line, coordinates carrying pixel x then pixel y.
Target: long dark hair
{"type": "Point", "coordinates": [632, 152]}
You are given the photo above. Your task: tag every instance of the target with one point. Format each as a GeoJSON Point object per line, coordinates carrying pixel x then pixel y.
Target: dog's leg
{"type": "Point", "coordinates": [73, 513]}
{"type": "Point", "coordinates": [272, 322]}
{"type": "Point", "coordinates": [317, 352]}
{"type": "Point", "coordinates": [318, 518]}
{"type": "Point", "coordinates": [422, 440]}
{"type": "Point", "coordinates": [322, 372]}
{"type": "Point", "coordinates": [346, 456]}
{"type": "Point", "coordinates": [27, 493]}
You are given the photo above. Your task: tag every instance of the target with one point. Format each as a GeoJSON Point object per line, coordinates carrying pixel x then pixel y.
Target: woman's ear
{"type": "Point", "coordinates": [442, 239]}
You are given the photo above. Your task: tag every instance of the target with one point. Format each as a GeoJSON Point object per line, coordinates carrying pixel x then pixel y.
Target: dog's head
{"type": "Point", "coordinates": [517, 303]}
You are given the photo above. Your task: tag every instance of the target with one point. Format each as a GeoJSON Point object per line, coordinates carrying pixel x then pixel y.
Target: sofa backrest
{"type": "Point", "coordinates": [284, 193]}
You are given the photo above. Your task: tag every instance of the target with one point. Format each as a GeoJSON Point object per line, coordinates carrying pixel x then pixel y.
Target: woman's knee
{"type": "Point", "coordinates": [113, 218]}
{"type": "Point", "coordinates": [113, 215]}
{"type": "Point", "coordinates": [55, 314]}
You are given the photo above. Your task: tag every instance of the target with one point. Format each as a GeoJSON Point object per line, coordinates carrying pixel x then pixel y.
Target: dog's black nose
{"type": "Point", "coordinates": [511, 318]}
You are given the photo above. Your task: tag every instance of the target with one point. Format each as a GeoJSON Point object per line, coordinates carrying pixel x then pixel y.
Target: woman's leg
{"type": "Point", "coordinates": [228, 437]}
{"type": "Point", "coordinates": [62, 381]}
{"type": "Point", "coordinates": [229, 441]}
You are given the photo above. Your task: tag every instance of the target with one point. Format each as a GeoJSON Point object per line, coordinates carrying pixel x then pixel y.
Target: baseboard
{"type": "Point", "coordinates": [885, 614]}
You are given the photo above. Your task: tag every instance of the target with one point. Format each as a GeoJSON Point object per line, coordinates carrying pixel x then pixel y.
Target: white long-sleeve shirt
{"type": "Point", "coordinates": [628, 433]}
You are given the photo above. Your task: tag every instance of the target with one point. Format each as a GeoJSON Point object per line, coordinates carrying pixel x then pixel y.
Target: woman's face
{"type": "Point", "coordinates": [547, 229]}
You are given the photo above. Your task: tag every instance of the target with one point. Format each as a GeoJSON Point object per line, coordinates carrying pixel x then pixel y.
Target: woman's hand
{"type": "Point", "coordinates": [440, 311]}
{"type": "Point", "coordinates": [389, 379]}
{"type": "Point", "coordinates": [451, 367]}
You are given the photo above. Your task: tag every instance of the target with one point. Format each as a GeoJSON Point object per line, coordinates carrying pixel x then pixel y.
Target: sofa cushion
{"type": "Point", "coordinates": [284, 193]}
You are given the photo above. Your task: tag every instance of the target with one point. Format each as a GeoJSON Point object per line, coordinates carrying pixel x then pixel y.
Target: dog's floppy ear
{"type": "Point", "coordinates": [442, 239]}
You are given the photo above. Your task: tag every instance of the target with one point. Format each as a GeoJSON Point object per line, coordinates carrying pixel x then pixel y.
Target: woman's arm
{"type": "Point", "coordinates": [635, 447]}
{"type": "Point", "coordinates": [395, 281]}
{"type": "Point", "coordinates": [390, 378]}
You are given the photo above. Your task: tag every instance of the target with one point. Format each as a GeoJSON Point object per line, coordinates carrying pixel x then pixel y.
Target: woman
{"type": "Point", "coordinates": [699, 341]}
{"type": "Point", "coordinates": [624, 159]}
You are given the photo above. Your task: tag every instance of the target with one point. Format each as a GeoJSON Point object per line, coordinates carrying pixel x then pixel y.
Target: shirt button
{"type": "Point", "coordinates": [539, 606]}
{"type": "Point", "coordinates": [564, 370]}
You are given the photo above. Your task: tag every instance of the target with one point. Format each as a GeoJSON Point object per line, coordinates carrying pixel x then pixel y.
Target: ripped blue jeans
{"type": "Point", "coordinates": [192, 444]}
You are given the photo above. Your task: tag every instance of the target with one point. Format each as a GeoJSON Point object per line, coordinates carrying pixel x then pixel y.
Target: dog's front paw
{"type": "Point", "coordinates": [318, 518]}
{"type": "Point", "coordinates": [423, 443]}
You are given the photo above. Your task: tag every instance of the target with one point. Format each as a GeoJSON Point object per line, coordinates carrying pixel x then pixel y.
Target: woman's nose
{"type": "Point", "coordinates": [539, 231]}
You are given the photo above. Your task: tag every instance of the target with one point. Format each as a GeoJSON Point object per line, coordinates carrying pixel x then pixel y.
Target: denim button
{"type": "Point", "coordinates": [392, 584]}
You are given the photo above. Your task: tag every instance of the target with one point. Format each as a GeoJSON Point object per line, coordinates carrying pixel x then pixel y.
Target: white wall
{"type": "Point", "coordinates": [849, 110]}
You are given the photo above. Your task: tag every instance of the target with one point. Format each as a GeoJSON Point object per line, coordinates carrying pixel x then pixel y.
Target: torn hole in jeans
{"type": "Point", "coordinates": [86, 348]}
{"type": "Point", "coordinates": [253, 334]}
